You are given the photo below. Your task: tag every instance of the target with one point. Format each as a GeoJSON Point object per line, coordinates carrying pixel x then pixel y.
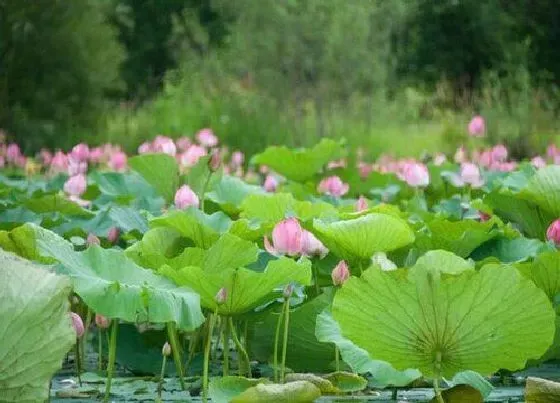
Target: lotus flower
{"type": "Point", "coordinates": [166, 350]}
{"type": "Point", "coordinates": [477, 126]}
{"type": "Point", "coordinates": [118, 161]}
{"type": "Point", "coordinates": [96, 155]}
{"type": "Point", "coordinates": [101, 321]}
{"type": "Point", "coordinates": [76, 167]}
{"type": "Point", "coordinates": [311, 246]}
{"type": "Point", "coordinates": [439, 159]}
{"type": "Point", "coordinates": [190, 157]}
{"type": "Point", "coordinates": [185, 197]}
{"type": "Point", "coordinates": [499, 153]}
{"type": "Point", "coordinates": [80, 152]}
{"type": "Point", "coordinates": [92, 239]}
{"type": "Point", "coordinates": [164, 144]}
{"type": "Point", "coordinates": [270, 183]}
{"type": "Point", "coordinates": [75, 185]}
{"type": "Point", "coordinates": [237, 159]}
{"type": "Point", "coordinates": [215, 161]}
{"type": "Point", "coordinates": [361, 204]}
{"type": "Point", "coordinates": [333, 186]}
{"type": "Point", "coordinates": [460, 155]}
{"type": "Point", "coordinates": [221, 296]}
{"type": "Point", "coordinates": [287, 238]}
{"type": "Point", "coordinates": [183, 143]}
{"type": "Point", "coordinates": [145, 148]}
{"type": "Point", "coordinates": [416, 175]}
{"type": "Point", "coordinates": [470, 174]}
{"type": "Point", "coordinates": [13, 153]}
{"type": "Point", "coordinates": [538, 162]}
{"type": "Point", "coordinates": [59, 162]}
{"type": "Point", "coordinates": [207, 138]}
{"type": "Point", "coordinates": [77, 323]}
{"type": "Point", "coordinates": [484, 216]}
{"type": "Point", "coordinates": [113, 234]}
{"type": "Point", "coordinates": [45, 156]}
{"type": "Point", "coordinates": [553, 232]}
{"type": "Point", "coordinates": [340, 273]}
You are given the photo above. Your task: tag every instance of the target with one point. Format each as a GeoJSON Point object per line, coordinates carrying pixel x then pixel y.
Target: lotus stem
{"type": "Point", "coordinates": [203, 191]}
{"type": "Point", "coordinates": [78, 362]}
{"type": "Point", "coordinates": [112, 354]}
{"type": "Point", "coordinates": [83, 340]}
{"type": "Point", "coordinates": [172, 334]}
{"type": "Point", "coordinates": [225, 342]}
{"type": "Point", "coordinates": [437, 375]}
{"type": "Point", "coordinates": [100, 349]}
{"type": "Point", "coordinates": [193, 342]}
{"type": "Point", "coordinates": [316, 278]}
{"type": "Point", "coordinates": [285, 341]}
{"type": "Point", "coordinates": [337, 358]}
{"type": "Point", "coordinates": [162, 375]}
{"type": "Point", "coordinates": [207, 358]}
{"type": "Point", "coordinates": [240, 349]}
{"type": "Point", "coordinates": [218, 325]}
{"type": "Point", "coordinates": [276, 339]}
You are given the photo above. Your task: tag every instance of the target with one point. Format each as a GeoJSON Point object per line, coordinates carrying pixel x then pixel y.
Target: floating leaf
{"type": "Point", "coordinates": [457, 322]}
{"type": "Point", "coordinates": [293, 392]}
{"type": "Point", "coordinates": [324, 385]}
{"type": "Point", "coordinates": [539, 390]}
{"type": "Point", "coordinates": [159, 170]}
{"type": "Point", "coordinates": [223, 390]}
{"type": "Point", "coordinates": [460, 394]}
{"type": "Point", "coordinates": [35, 328]}
{"type": "Point", "coordinates": [347, 381]}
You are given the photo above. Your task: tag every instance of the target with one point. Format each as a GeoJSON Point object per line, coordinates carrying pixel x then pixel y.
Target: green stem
{"type": "Point", "coordinates": [162, 374]}
{"type": "Point", "coordinates": [112, 354]}
{"type": "Point", "coordinates": [78, 362]}
{"type": "Point", "coordinates": [316, 278]}
{"type": "Point", "coordinates": [193, 342]}
{"type": "Point", "coordinates": [276, 339]}
{"type": "Point", "coordinates": [285, 341]}
{"type": "Point", "coordinates": [337, 358]}
{"type": "Point", "coordinates": [207, 358]}
{"type": "Point", "coordinates": [203, 191]}
{"type": "Point", "coordinates": [219, 325]}
{"type": "Point", "coordinates": [437, 375]}
{"type": "Point", "coordinates": [225, 343]}
{"type": "Point", "coordinates": [172, 335]}
{"type": "Point", "coordinates": [100, 349]}
{"type": "Point", "coordinates": [84, 339]}
{"type": "Point", "coordinates": [240, 349]}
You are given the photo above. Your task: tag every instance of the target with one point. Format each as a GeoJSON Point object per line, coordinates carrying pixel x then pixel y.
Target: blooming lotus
{"type": "Point", "coordinates": [311, 246]}
{"type": "Point", "coordinates": [287, 238]}
{"type": "Point", "coordinates": [190, 157]}
{"type": "Point", "coordinates": [118, 161]}
{"type": "Point", "coordinates": [80, 152]}
{"type": "Point", "coordinates": [75, 185]}
{"type": "Point", "coordinates": [416, 174]}
{"type": "Point", "coordinates": [164, 144]}
{"type": "Point", "coordinates": [333, 186]}
{"type": "Point", "coordinates": [470, 174]}
{"type": "Point", "coordinates": [207, 138]}
{"type": "Point", "coordinates": [477, 126]}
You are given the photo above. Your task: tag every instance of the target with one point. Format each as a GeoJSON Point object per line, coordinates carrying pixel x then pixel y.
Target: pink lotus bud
{"type": "Point", "coordinates": [340, 273]}
{"type": "Point", "coordinates": [166, 350]}
{"type": "Point", "coordinates": [185, 197]}
{"type": "Point", "coordinates": [13, 153]}
{"type": "Point", "coordinates": [96, 155]}
{"type": "Point", "coordinates": [270, 183]}
{"type": "Point", "coordinates": [361, 204]}
{"type": "Point", "coordinates": [311, 246]}
{"type": "Point", "coordinates": [221, 296]}
{"type": "Point", "coordinates": [145, 148]}
{"type": "Point", "coordinates": [207, 138]}
{"type": "Point", "coordinates": [416, 174]}
{"type": "Point", "coordinates": [75, 185]}
{"type": "Point", "coordinates": [92, 240]}
{"type": "Point", "coordinates": [553, 232]}
{"type": "Point", "coordinates": [485, 158]}
{"type": "Point", "coordinates": [78, 324]}
{"type": "Point", "coordinates": [163, 144]}
{"type": "Point", "coordinates": [215, 161]}
{"type": "Point", "coordinates": [183, 143]}
{"type": "Point", "coordinates": [470, 174]}
{"type": "Point", "coordinates": [499, 153]}
{"type": "Point", "coordinates": [477, 126]}
{"type": "Point", "coordinates": [286, 238]}
{"type": "Point", "coordinates": [237, 158]}
{"type": "Point", "coordinates": [113, 235]}
{"type": "Point", "coordinates": [484, 216]}
{"type": "Point", "coordinates": [333, 186]}
{"type": "Point", "coordinates": [45, 156]}
{"type": "Point", "coordinates": [59, 162]}
{"type": "Point", "coordinates": [101, 321]}
{"type": "Point", "coordinates": [439, 159]}
{"type": "Point", "coordinates": [80, 152]}
{"type": "Point", "coordinates": [364, 169]}
{"type": "Point", "coordinates": [460, 155]}
{"type": "Point", "coordinates": [190, 157]}
{"type": "Point", "coordinates": [288, 291]}
{"type": "Point", "coordinates": [538, 162]}
{"type": "Point", "coordinates": [118, 161]}
{"type": "Point", "coordinates": [76, 167]}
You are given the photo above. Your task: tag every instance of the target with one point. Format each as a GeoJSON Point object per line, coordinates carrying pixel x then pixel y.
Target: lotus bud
{"type": "Point", "coordinates": [221, 296]}
{"type": "Point", "coordinates": [207, 138]}
{"type": "Point", "coordinates": [92, 240]}
{"type": "Point", "coordinates": [185, 197]}
{"type": "Point", "coordinates": [287, 238]}
{"type": "Point", "coordinates": [270, 183]}
{"type": "Point", "coordinates": [101, 321]}
{"type": "Point", "coordinates": [553, 232]}
{"type": "Point", "coordinates": [416, 174]}
{"type": "Point", "coordinates": [78, 324]}
{"type": "Point", "coordinates": [361, 204]}
{"type": "Point", "coordinates": [470, 174]}
{"type": "Point", "coordinates": [288, 291]}
{"type": "Point", "coordinates": [484, 216]}
{"type": "Point", "coordinates": [166, 350]}
{"type": "Point", "coordinates": [340, 273]}
{"type": "Point", "coordinates": [215, 161]}
{"type": "Point", "coordinates": [333, 186]}
{"type": "Point", "coordinates": [113, 235]}
{"type": "Point", "coordinates": [80, 152]}
{"type": "Point", "coordinates": [76, 185]}
{"type": "Point", "coordinates": [477, 126]}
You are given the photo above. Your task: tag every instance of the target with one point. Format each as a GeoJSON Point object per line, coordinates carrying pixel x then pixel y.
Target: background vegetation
{"type": "Point", "coordinates": [396, 75]}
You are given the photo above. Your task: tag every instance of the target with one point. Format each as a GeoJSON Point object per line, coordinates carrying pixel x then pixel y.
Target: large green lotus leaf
{"type": "Point", "coordinates": [56, 203]}
{"type": "Point", "coordinates": [459, 237]}
{"type": "Point", "coordinates": [442, 262]}
{"type": "Point", "coordinates": [128, 219]}
{"type": "Point", "coordinates": [300, 164]}
{"type": "Point", "coordinates": [544, 271]}
{"type": "Point", "coordinates": [246, 289]}
{"type": "Point", "coordinates": [531, 219]}
{"type": "Point", "coordinates": [251, 230]}
{"type": "Point", "coordinates": [229, 252]}
{"type": "Point", "coordinates": [222, 390]}
{"type": "Point", "coordinates": [305, 353]}
{"type": "Point", "coordinates": [362, 237]}
{"type": "Point", "coordinates": [272, 208]}
{"type": "Point", "coordinates": [35, 329]}
{"type": "Point", "coordinates": [159, 170]}
{"type": "Point", "coordinates": [480, 321]}
{"type": "Point", "coordinates": [158, 246]}
{"type": "Point", "coordinates": [543, 189]}
{"type": "Point", "coordinates": [383, 374]}
{"type": "Point", "coordinates": [293, 392]}
{"type": "Point", "coordinates": [193, 224]}
{"type": "Point", "coordinates": [508, 250]}
{"type": "Point", "coordinates": [230, 192]}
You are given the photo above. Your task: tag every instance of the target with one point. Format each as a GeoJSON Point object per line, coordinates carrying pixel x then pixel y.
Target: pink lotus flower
{"type": "Point", "coordinates": [92, 239]}
{"type": "Point", "coordinates": [287, 238]}
{"type": "Point", "coordinates": [185, 197]}
{"type": "Point", "coordinates": [237, 159]}
{"type": "Point", "coordinates": [484, 216]}
{"type": "Point", "coordinates": [439, 159]}
{"type": "Point", "coordinates": [499, 153]}
{"type": "Point", "coordinates": [416, 175]}
{"type": "Point", "coordinates": [221, 296]}
{"type": "Point", "coordinates": [80, 152]}
{"type": "Point", "coordinates": [270, 183]}
{"type": "Point", "coordinates": [183, 143]}
{"type": "Point", "coordinates": [190, 157]}
{"type": "Point", "coordinates": [78, 324]}
{"type": "Point", "coordinates": [45, 156]}
{"type": "Point", "coordinates": [59, 162]}
{"type": "Point", "coordinates": [215, 161]}
{"type": "Point", "coordinates": [118, 161]}
{"type": "Point", "coordinates": [460, 155]}
{"type": "Point", "coordinates": [75, 185]}
{"type": "Point", "coordinates": [364, 169]}
{"type": "Point", "coordinates": [113, 234]}
{"type": "Point", "coordinates": [76, 167]}
{"type": "Point", "coordinates": [311, 246]}
{"type": "Point", "coordinates": [145, 148]}
{"type": "Point", "coordinates": [333, 186]}
{"type": "Point", "coordinates": [538, 162]}
{"type": "Point", "coordinates": [207, 138]}
{"type": "Point", "coordinates": [101, 321]}
{"type": "Point", "coordinates": [340, 273]}
{"type": "Point", "coordinates": [163, 144]}
{"type": "Point", "coordinates": [470, 174]}
{"type": "Point", "coordinates": [13, 153]}
{"type": "Point", "coordinates": [96, 155]}
{"type": "Point", "coordinates": [477, 126]}
{"type": "Point", "coordinates": [552, 151]}
{"type": "Point", "coordinates": [485, 159]}
{"type": "Point", "coordinates": [553, 232]}
{"type": "Point", "coordinates": [361, 204]}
